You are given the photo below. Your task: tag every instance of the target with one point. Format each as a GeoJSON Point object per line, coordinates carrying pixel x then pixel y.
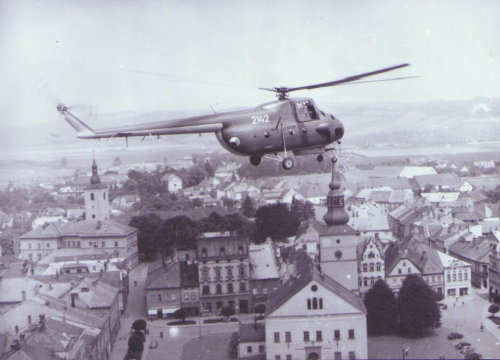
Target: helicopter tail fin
{"type": "Point", "coordinates": [77, 124]}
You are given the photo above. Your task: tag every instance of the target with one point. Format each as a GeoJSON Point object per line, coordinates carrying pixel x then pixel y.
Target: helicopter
{"type": "Point", "coordinates": [282, 126]}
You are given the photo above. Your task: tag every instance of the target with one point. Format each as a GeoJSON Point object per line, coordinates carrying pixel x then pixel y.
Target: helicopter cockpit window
{"type": "Point", "coordinates": [306, 111]}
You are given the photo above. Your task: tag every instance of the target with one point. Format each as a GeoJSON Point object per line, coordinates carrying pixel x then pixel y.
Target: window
{"type": "Point", "coordinates": [116, 243]}
{"type": "Point", "coordinates": [448, 278]}
{"type": "Point", "coordinates": [306, 335]}
{"type": "Point", "coordinates": [365, 268]}
{"type": "Point", "coordinates": [193, 296]}
{"type": "Point", "coordinates": [92, 196]}
{"type": "Point", "coordinates": [153, 297]}
{"type": "Point", "coordinates": [319, 335]}
{"type": "Point", "coordinates": [242, 271]}
{"type": "Point", "coordinates": [249, 349]}
{"type": "Point", "coordinates": [73, 243]}
{"type": "Point", "coordinates": [454, 277]}
{"type": "Point", "coordinates": [204, 274]}
{"type": "Point", "coordinates": [277, 357]}
{"type": "Point", "coordinates": [254, 291]}
{"type": "Point", "coordinates": [289, 357]}
{"type": "Point", "coordinates": [371, 255]}
{"type": "Point", "coordinates": [159, 297]}
{"type": "Point", "coordinates": [39, 245]}
{"type": "Point", "coordinates": [90, 243]}
{"type": "Point", "coordinates": [207, 306]}
{"type": "Point", "coordinates": [103, 244]}
{"type": "Point", "coordinates": [394, 281]}
{"type": "Point", "coordinates": [78, 244]}
{"type": "Point", "coordinates": [466, 276]}
{"type": "Point", "coordinates": [217, 273]}
{"type": "Point", "coordinates": [172, 297]}
{"type": "Point", "coordinates": [240, 249]}
{"type": "Point", "coordinates": [305, 111]}
{"type": "Point", "coordinates": [308, 304]}
{"type": "Point", "coordinates": [276, 337]}
{"type": "Point", "coordinates": [315, 304]}
{"type": "Point", "coordinates": [264, 291]}
{"type": "Point", "coordinates": [203, 252]}
{"type": "Point", "coordinates": [409, 270]}
{"type": "Point", "coordinates": [336, 335]}
{"type": "Point", "coordinates": [399, 271]}
{"type": "Point", "coordinates": [288, 336]}
{"type": "Point", "coordinates": [186, 296]}
{"type": "Point", "coordinates": [29, 246]}
{"type": "Point", "coordinates": [338, 355]}
{"type": "Point", "coordinates": [372, 282]}
{"type": "Point", "coordinates": [230, 303]}
{"type": "Point", "coordinates": [432, 279]}
{"type": "Point", "coordinates": [104, 196]}
{"type": "Point", "coordinates": [371, 267]}
{"type": "Point", "coordinates": [222, 251]}
{"type": "Point", "coordinates": [351, 333]}
{"type": "Point", "coordinates": [365, 282]}
{"type": "Point", "coordinates": [243, 287]}
{"type": "Point", "coordinates": [404, 264]}
{"type": "Point", "coordinates": [275, 288]}
{"type": "Point", "coordinates": [460, 277]}
{"type": "Point", "coordinates": [229, 272]}
{"type": "Point", "coordinates": [30, 256]}
{"type": "Point", "coordinates": [218, 289]}
{"type": "Point", "coordinates": [206, 290]}
{"type": "Point", "coordinates": [378, 268]}
{"type": "Point", "coordinates": [261, 349]}
{"type": "Point", "coordinates": [352, 355]}
{"type": "Point", "coordinates": [219, 305]}
{"type": "Point", "coordinates": [230, 289]}
{"type": "Point", "coordinates": [39, 256]}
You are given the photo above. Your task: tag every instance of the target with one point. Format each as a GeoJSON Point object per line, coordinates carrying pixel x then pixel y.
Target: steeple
{"type": "Point", "coordinates": [336, 214]}
{"type": "Point", "coordinates": [95, 179]}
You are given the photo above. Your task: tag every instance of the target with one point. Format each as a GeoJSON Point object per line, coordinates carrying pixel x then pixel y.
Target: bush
{"type": "Point", "coordinates": [473, 356]}
{"type": "Point", "coordinates": [219, 320]}
{"type": "Point", "coordinates": [186, 322]}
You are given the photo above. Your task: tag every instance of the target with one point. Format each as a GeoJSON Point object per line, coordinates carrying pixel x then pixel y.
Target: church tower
{"type": "Point", "coordinates": [338, 257]}
{"type": "Point", "coordinates": [96, 198]}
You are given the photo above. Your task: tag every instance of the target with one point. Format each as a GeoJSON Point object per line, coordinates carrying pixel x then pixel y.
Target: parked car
{"type": "Point", "coordinates": [455, 335]}
{"type": "Point", "coordinates": [461, 344]}
{"type": "Point", "coordinates": [467, 349]}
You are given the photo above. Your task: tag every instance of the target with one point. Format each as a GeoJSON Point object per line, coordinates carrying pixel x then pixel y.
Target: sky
{"type": "Point", "coordinates": [220, 52]}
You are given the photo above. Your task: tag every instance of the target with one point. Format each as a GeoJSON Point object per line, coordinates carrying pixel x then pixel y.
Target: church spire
{"type": "Point", "coordinates": [95, 179]}
{"type": "Point", "coordinates": [336, 214]}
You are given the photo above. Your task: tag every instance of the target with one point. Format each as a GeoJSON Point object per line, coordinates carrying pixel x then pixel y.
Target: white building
{"type": "Point", "coordinates": [372, 267]}
{"type": "Point", "coordinates": [174, 183]}
{"type": "Point", "coordinates": [457, 276]}
{"type": "Point", "coordinates": [313, 317]}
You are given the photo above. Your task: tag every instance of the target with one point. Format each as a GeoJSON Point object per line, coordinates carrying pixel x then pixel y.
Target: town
{"type": "Point", "coordinates": [360, 260]}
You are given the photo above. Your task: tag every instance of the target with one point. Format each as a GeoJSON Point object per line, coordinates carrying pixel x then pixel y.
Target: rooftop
{"type": "Point", "coordinates": [262, 263]}
{"type": "Point", "coordinates": [252, 332]}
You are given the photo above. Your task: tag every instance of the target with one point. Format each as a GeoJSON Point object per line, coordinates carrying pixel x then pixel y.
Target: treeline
{"type": "Point", "coordinates": [277, 221]}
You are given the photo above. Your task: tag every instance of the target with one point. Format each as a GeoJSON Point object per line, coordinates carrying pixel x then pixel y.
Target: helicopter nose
{"type": "Point", "coordinates": [339, 131]}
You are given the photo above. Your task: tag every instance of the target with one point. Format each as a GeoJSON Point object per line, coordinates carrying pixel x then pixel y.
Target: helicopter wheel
{"type": "Point", "coordinates": [255, 160]}
{"type": "Point", "coordinates": [320, 158]}
{"type": "Point", "coordinates": [287, 163]}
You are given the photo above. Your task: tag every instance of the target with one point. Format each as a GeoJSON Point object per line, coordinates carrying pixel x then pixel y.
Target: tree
{"type": "Point", "coordinates": [417, 305]}
{"type": "Point", "coordinates": [208, 167]}
{"type": "Point", "coordinates": [381, 305]}
{"type": "Point", "coordinates": [439, 296]}
{"type": "Point", "coordinates": [227, 311]}
{"type": "Point", "coordinates": [260, 309]}
{"type": "Point", "coordinates": [64, 162]}
{"type": "Point", "coordinates": [197, 202]}
{"type": "Point", "coordinates": [180, 314]}
{"type": "Point", "coordinates": [7, 239]}
{"type": "Point", "coordinates": [180, 232]}
{"type": "Point", "coordinates": [273, 221]}
{"type": "Point", "coordinates": [300, 211]}
{"type": "Point", "coordinates": [148, 233]}
{"type": "Point", "coordinates": [117, 161]}
{"type": "Point", "coordinates": [228, 202]}
{"type": "Point", "coordinates": [493, 309]}
{"type": "Point", "coordinates": [248, 207]}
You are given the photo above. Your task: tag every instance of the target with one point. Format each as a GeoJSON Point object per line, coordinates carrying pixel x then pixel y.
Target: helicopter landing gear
{"type": "Point", "coordinates": [287, 163]}
{"type": "Point", "coordinates": [320, 158]}
{"type": "Point", "coordinates": [255, 160]}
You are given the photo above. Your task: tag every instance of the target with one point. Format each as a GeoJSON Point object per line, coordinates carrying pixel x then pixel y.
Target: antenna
{"type": "Point", "coordinates": [215, 112]}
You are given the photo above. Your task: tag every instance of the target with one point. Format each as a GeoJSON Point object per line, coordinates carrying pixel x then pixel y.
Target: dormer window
{"type": "Point", "coordinates": [203, 252]}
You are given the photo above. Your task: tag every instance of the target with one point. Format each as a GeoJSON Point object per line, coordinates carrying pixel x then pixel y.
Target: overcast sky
{"type": "Point", "coordinates": [84, 51]}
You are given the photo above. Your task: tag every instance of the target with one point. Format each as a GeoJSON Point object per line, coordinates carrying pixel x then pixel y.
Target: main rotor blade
{"type": "Point", "coordinates": [370, 81]}
{"type": "Point", "coordinates": [348, 79]}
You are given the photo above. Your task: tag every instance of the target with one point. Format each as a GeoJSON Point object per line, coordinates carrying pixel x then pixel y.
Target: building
{"type": "Point", "coordinates": [264, 276]}
{"type": "Point", "coordinates": [173, 182]}
{"type": "Point", "coordinates": [477, 253]}
{"type": "Point", "coordinates": [252, 341]}
{"type": "Point", "coordinates": [457, 276]}
{"type": "Point", "coordinates": [371, 266]}
{"type": "Point", "coordinates": [97, 231]}
{"type": "Point", "coordinates": [494, 272]}
{"type": "Point", "coordinates": [398, 265]}
{"type": "Point", "coordinates": [312, 316]}
{"type": "Point", "coordinates": [163, 290]}
{"type": "Point", "coordinates": [224, 272]}
{"type": "Point", "coordinates": [401, 219]}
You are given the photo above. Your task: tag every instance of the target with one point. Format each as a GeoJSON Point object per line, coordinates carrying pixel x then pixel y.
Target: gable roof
{"type": "Point", "coordinates": [305, 275]}
{"type": "Point", "coordinates": [170, 177]}
{"type": "Point", "coordinates": [252, 332]}
{"type": "Point", "coordinates": [164, 277]}
{"type": "Point", "coordinates": [477, 250]}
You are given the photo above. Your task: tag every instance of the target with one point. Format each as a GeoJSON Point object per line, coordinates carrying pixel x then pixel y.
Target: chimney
{"type": "Point", "coordinates": [50, 286]}
{"type": "Point", "coordinates": [29, 319]}
{"type": "Point", "coordinates": [24, 295]}
{"type": "Point", "coordinates": [42, 321]}
{"type": "Point", "coordinates": [21, 337]}
{"type": "Point", "coordinates": [72, 284]}
{"type": "Point", "coordinates": [17, 329]}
